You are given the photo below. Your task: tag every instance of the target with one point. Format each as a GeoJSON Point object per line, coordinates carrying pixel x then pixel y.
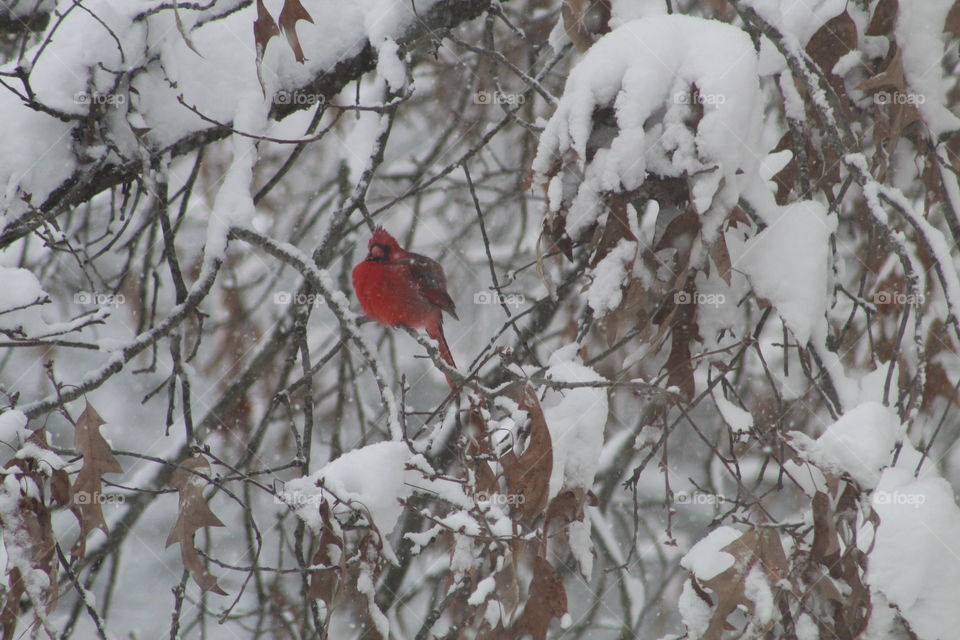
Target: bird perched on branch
{"type": "Point", "coordinates": [400, 288]}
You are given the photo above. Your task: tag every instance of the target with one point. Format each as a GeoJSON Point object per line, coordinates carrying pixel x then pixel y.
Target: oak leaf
{"type": "Point", "coordinates": [528, 475]}
{"type": "Point", "coordinates": [85, 496]}
{"type": "Point", "coordinates": [194, 513]}
{"type": "Point", "coordinates": [291, 12]}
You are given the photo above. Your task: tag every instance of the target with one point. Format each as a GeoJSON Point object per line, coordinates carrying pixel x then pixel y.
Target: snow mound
{"type": "Point", "coordinates": [915, 561]}
{"type": "Point", "coordinates": [788, 263]}
{"type": "Point", "coordinates": [632, 107]}
{"type": "Point", "coordinates": [576, 419]}
{"type": "Point", "coordinates": [372, 478]}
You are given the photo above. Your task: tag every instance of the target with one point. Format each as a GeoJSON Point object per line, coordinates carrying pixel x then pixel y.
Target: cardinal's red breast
{"type": "Point", "coordinates": [386, 294]}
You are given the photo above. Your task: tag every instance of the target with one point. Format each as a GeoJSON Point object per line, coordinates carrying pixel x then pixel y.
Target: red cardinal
{"type": "Point", "coordinates": [397, 287]}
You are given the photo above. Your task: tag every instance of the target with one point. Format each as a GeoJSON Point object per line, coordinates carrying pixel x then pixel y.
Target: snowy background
{"type": "Point", "coordinates": [704, 256]}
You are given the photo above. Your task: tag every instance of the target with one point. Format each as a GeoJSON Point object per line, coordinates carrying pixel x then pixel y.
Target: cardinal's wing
{"type": "Point", "coordinates": [430, 281]}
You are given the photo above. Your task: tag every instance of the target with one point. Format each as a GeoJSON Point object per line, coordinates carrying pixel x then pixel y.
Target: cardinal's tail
{"type": "Point", "coordinates": [435, 331]}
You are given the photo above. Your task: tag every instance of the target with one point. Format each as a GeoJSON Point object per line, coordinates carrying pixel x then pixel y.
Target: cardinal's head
{"type": "Point", "coordinates": [381, 246]}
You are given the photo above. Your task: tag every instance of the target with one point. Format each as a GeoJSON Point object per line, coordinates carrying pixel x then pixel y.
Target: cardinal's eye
{"type": "Point", "coordinates": [379, 252]}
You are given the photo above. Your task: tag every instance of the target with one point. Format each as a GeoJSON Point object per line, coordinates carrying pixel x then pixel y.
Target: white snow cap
{"type": "Point", "coordinates": [374, 477]}
{"type": "Point", "coordinates": [787, 263]}
{"type": "Point", "coordinates": [861, 443]}
{"type": "Point", "coordinates": [646, 70]}
{"type": "Point", "coordinates": [915, 562]}
{"type": "Point", "coordinates": [705, 559]}
{"type": "Point", "coordinates": [576, 419]}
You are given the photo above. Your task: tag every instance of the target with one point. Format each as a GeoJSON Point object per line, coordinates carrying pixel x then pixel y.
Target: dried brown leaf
{"type": "Point", "coordinates": [547, 600]}
{"type": "Point", "coordinates": [97, 460]}
{"type": "Point", "coordinates": [884, 18]}
{"type": "Point", "coordinates": [615, 229]}
{"type": "Point", "coordinates": [291, 12]}
{"type": "Point", "coordinates": [324, 583]}
{"type": "Point", "coordinates": [528, 475]}
{"type": "Point", "coordinates": [757, 545]}
{"type": "Point", "coordinates": [952, 23]}
{"type": "Point", "coordinates": [633, 310]}
{"type": "Point", "coordinates": [28, 532]}
{"type": "Point", "coordinates": [720, 256]}
{"type": "Point", "coordinates": [683, 331]}
{"type": "Point", "coordinates": [835, 39]}
{"type": "Point", "coordinates": [194, 513]}
{"type": "Point", "coordinates": [584, 20]}
{"type": "Point", "coordinates": [264, 28]}
{"type": "Point", "coordinates": [825, 548]}
{"type": "Point", "coordinates": [479, 452]}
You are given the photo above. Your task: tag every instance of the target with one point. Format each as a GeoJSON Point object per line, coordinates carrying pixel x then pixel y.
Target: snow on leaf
{"type": "Point", "coordinates": [633, 90]}
{"type": "Point", "coordinates": [859, 443]}
{"type": "Point", "coordinates": [835, 39]}
{"type": "Point", "coordinates": [739, 420]}
{"type": "Point", "coordinates": [25, 524]}
{"type": "Point", "coordinates": [193, 514]}
{"type": "Point", "coordinates": [606, 291]}
{"type": "Point", "coordinates": [918, 35]}
{"type": "Point", "coordinates": [787, 263]}
{"type": "Point", "coordinates": [914, 562]}
{"type": "Point", "coordinates": [736, 586]}
{"type": "Point", "coordinates": [576, 419]}
{"type": "Point", "coordinates": [350, 487]}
